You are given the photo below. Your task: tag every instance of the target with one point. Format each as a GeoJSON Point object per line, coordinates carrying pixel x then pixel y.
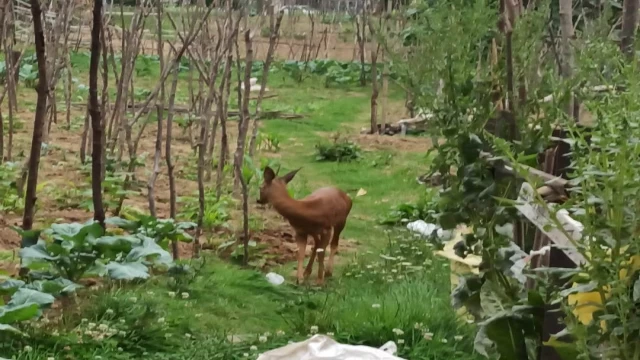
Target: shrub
{"type": "Point", "coordinates": [338, 151]}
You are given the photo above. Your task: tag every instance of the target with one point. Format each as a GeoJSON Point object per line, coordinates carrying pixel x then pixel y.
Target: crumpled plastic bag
{"type": "Point", "coordinates": [320, 347]}
{"type": "Point", "coordinates": [275, 279]}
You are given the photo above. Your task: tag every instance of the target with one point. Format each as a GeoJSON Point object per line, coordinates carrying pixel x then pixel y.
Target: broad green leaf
{"type": "Point", "coordinates": [150, 251]}
{"type": "Point", "coordinates": [28, 296]}
{"type": "Point", "coordinates": [127, 271]}
{"type": "Point", "coordinates": [35, 253]}
{"type": "Point", "coordinates": [56, 286]}
{"type": "Point", "coordinates": [9, 286]}
{"type": "Point", "coordinates": [8, 328]}
{"type": "Point", "coordinates": [64, 231]}
{"type": "Point", "coordinates": [567, 351]}
{"type": "Point", "coordinates": [122, 223]}
{"type": "Point", "coordinates": [17, 313]}
{"type": "Point", "coordinates": [502, 334]}
{"type": "Point", "coordinates": [29, 237]}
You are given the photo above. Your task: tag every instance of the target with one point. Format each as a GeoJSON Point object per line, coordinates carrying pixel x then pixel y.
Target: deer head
{"type": "Point", "coordinates": [273, 184]}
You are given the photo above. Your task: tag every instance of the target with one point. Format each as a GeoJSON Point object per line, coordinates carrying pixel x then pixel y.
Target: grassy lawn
{"type": "Point", "coordinates": [222, 310]}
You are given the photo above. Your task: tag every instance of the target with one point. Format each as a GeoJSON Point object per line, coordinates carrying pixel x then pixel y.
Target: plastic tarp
{"type": "Point", "coordinates": [320, 347]}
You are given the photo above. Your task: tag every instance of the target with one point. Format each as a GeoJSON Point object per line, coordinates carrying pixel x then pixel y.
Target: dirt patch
{"type": "Point", "coordinates": [396, 143]}
{"type": "Point", "coordinates": [9, 239]}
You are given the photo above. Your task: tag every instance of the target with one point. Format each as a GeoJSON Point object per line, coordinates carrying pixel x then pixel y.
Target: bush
{"type": "Point", "coordinates": [338, 151]}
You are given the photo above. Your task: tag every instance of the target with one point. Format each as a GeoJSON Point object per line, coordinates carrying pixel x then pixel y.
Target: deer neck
{"type": "Point", "coordinates": [285, 205]}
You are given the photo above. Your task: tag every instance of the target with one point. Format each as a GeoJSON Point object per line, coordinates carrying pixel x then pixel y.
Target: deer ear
{"type": "Point", "coordinates": [268, 175]}
{"type": "Point", "coordinates": [288, 177]}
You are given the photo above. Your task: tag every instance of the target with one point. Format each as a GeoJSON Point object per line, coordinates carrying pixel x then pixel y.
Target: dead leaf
{"type": "Point", "coordinates": [361, 192]}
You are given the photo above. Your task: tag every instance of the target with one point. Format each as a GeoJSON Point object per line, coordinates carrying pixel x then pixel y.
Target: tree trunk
{"type": "Point", "coordinates": [273, 40]}
{"type": "Point", "coordinates": [170, 167]}
{"type": "Point", "coordinates": [38, 123]}
{"type": "Point", "coordinates": [374, 92]}
{"type": "Point", "coordinates": [96, 115]}
{"type": "Point", "coordinates": [629, 24]}
{"type": "Point", "coordinates": [566, 29]}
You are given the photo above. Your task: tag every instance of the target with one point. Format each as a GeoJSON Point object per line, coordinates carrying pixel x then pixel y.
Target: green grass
{"type": "Point", "coordinates": [365, 301]}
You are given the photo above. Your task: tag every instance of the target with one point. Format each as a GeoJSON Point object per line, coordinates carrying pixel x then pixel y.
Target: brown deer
{"type": "Point", "coordinates": [322, 215]}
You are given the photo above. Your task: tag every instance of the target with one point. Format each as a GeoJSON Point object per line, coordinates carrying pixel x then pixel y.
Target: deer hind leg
{"type": "Point", "coordinates": [337, 230]}
{"type": "Point", "coordinates": [324, 242]}
{"type": "Point", "coordinates": [309, 269]}
{"type": "Point", "coordinates": [301, 240]}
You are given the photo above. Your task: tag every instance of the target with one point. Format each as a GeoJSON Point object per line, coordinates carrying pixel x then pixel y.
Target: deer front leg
{"type": "Point", "coordinates": [301, 241]}
{"type": "Point", "coordinates": [312, 258]}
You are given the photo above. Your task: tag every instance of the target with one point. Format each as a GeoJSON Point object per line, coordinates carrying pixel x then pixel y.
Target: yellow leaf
{"type": "Point", "coordinates": [361, 192]}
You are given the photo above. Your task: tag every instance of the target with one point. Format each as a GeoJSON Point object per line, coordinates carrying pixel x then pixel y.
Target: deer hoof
{"type": "Point", "coordinates": [328, 273]}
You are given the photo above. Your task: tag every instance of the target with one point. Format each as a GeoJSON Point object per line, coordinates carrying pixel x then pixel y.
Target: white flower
{"type": "Point", "coordinates": [109, 312]}
{"type": "Point", "coordinates": [400, 341]}
{"type": "Point", "coordinates": [394, 270]}
{"type": "Point", "coordinates": [279, 333]}
{"type": "Point", "coordinates": [253, 348]}
{"type": "Point", "coordinates": [314, 329]}
{"type": "Point", "coordinates": [185, 295]}
{"type": "Point", "coordinates": [122, 321]}
{"type": "Point", "coordinates": [119, 349]}
{"type": "Point", "coordinates": [150, 293]}
{"type": "Point", "coordinates": [103, 327]}
{"type": "Point", "coordinates": [187, 335]}
{"type": "Point", "coordinates": [91, 326]}
{"type": "Point", "coordinates": [28, 348]}
{"type": "Point", "coordinates": [161, 320]}
{"type": "Point", "coordinates": [330, 334]}
{"type": "Point", "coordinates": [444, 341]}
{"type": "Point", "coordinates": [133, 299]}
{"type": "Point", "coordinates": [398, 332]}
{"type": "Point", "coordinates": [376, 306]}
{"type": "Point", "coordinates": [428, 336]}
{"type": "Point", "coordinates": [172, 294]}
{"type": "Point", "coordinates": [84, 320]}
{"type": "Point", "coordinates": [245, 355]}
{"type": "Point", "coordinates": [418, 326]}
{"type": "Point", "coordinates": [262, 339]}
{"type": "Point", "coordinates": [458, 337]}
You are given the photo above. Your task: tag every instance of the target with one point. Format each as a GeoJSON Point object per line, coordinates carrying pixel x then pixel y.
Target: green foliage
{"type": "Point", "coordinates": [333, 71]}
{"type": "Point", "coordinates": [423, 209]}
{"type": "Point", "coordinates": [216, 211]}
{"type": "Point", "coordinates": [9, 199]}
{"type": "Point", "coordinates": [340, 150]}
{"type": "Point", "coordinates": [75, 250]}
{"type": "Point", "coordinates": [268, 142]}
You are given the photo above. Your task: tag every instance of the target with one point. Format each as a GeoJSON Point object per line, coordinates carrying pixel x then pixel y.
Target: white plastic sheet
{"type": "Point", "coordinates": [320, 347]}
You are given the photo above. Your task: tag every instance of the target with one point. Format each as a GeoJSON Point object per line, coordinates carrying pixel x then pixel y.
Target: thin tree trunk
{"type": "Point", "coordinates": [170, 166]}
{"type": "Point", "coordinates": [38, 123]}
{"type": "Point", "coordinates": [160, 109]}
{"type": "Point", "coordinates": [566, 29]}
{"type": "Point", "coordinates": [629, 25]}
{"type": "Point", "coordinates": [223, 107]}
{"type": "Point", "coordinates": [243, 125]}
{"type": "Point", "coordinates": [374, 92]}
{"type": "Point", "coordinates": [96, 116]}
{"type": "Point", "coordinates": [273, 40]}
